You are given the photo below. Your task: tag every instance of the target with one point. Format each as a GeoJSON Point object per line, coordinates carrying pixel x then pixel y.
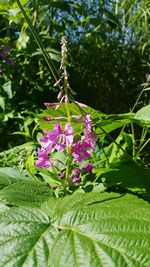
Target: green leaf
{"type": "Point", "coordinates": [89, 230]}
{"type": "Point", "coordinates": [22, 41]}
{"type": "Point", "coordinates": [7, 89]}
{"type": "Point", "coordinates": [2, 102]}
{"type": "Point", "coordinates": [29, 146]}
{"type": "Point", "coordinates": [54, 54]}
{"type": "Point", "coordinates": [113, 152]}
{"type": "Point", "coordinates": [25, 237]}
{"type": "Point", "coordinates": [25, 193]}
{"type": "Point", "coordinates": [142, 116]}
{"type": "Point", "coordinates": [128, 174]}
{"type": "Point", "coordinates": [13, 11]}
{"type": "Point", "coordinates": [9, 175]}
{"type": "Point", "coordinates": [3, 207]}
{"type": "Point", "coordinates": [60, 115]}
{"type": "Point", "coordinates": [109, 125]}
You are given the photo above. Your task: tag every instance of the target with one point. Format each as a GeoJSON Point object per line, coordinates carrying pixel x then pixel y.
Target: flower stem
{"type": "Point", "coordinates": [63, 68]}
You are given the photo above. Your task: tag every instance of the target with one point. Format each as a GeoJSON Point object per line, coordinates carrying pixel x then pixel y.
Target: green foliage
{"type": "Point", "coordinates": [95, 229]}
{"type": "Point", "coordinates": [129, 175]}
{"type": "Point", "coordinates": [26, 193]}
{"type": "Point", "coordinates": [108, 51]}
{"type": "Point", "coordinates": [58, 113]}
{"type": "Point", "coordinates": [94, 223]}
{"type": "Point", "coordinates": [9, 176]}
{"type": "Point", "coordinates": [142, 116]}
{"type": "Point", "coordinates": [17, 156]}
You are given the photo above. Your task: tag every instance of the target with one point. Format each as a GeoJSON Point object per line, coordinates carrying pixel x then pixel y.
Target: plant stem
{"type": "Point", "coordinates": [39, 42]}
{"type": "Point", "coordinates": [63, 68]}
{"type": "Point", "coordinates": [133, 134]}
{"type": "Point", "coordinates": [143, 136]}
{"type": "Point", "coordinates": [148, 140]}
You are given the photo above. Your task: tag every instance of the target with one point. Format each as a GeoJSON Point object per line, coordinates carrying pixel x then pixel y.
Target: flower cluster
{"type": "Point", "coordinates": [81, 148]}
{"type": "Point", "coordinates": [5, 55]}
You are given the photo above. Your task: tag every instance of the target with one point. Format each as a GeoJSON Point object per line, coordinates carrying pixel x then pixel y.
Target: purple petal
{"type": "Point", "coordinates": [76, 180]}
{"type": "Point", "coordinates": [42, 163]}
{"type": "Point", "coordinates": [57, 128]}
{"type": "Point", "coordinates": [76, 175]}
{"type": "Point", "coordinates": [68, 134]}
{"type": "Point", "coordinates": [81, 151]}
{"type": "Point", "coordinates": [88, 122]}
{"type": "Point", "coordinates": [62, 175]}
{"type": "Point", "coordinates": [68, 129]}
{"type": "Point", "coordinates": [88, 167]}
{"type": "Point", "coordinates": [69, 140]}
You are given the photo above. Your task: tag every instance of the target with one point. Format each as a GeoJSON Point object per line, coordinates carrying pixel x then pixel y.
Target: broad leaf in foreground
{"type": "Point", "coordinates": [25, 193]}
{"type": "Point", "coordinates": [95, 229]}
{"type": "Point", "coordinates": [10, 175]}
{"type": "Point", "coordinates": [19, 190]}
{"type": "Point", "coordinates": [129, 175]}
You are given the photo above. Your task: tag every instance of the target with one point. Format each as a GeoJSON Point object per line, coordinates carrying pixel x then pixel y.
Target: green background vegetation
{"type": "Point", "coordinates": [109, 52]}
{"type": "Point", "coordinates": [103, 220]}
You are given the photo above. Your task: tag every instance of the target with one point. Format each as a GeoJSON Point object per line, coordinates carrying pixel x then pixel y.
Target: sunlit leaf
{"type": "Point", "coordinates": [90, 230]}
{"type": "Point", "coordinates": [142, 116]}
{"type": "Point", "coordinates": [25, 193]}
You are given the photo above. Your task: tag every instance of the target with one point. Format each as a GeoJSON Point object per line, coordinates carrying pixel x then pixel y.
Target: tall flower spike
{"type": "Point", "coordinates": [64, 51]}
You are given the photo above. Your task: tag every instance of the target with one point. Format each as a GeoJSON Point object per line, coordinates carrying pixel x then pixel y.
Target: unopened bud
{"type": "Point", "coordinates": [56, 83]}
{"type": "Point", "coordinates": [59, 95]}
{"type": "Point", "coordinates": [66, 99]}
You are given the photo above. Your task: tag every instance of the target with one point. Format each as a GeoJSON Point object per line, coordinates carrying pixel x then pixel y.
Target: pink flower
{"type": "Point", "coordinates": [68, 134]}
{"type": "Point", "coordinates": [43, 159]}
{"type": "Point", "coordinates": [54, 119]}
{"type": "Point", "coordinates": [77, 117]}
{"type": "Point", "coordinates": [90, 138]}
{"type": "Point", "coordinates": [57, 138]}
{"type": "Point", "coordinates": [56, 83]}
{"type": "Point", "coordinates": [51, 105]}
{"type": "Point", "coordinates": [62, 175]}
{"type": "Point", "coordinates": [76, 175]}
{"type": "Point", "coordinates": [81, 104]}
{"type": "Point", "coordinates": [46, 144]}
{"type": "Point", "coordinates": [81, 151]}
{"type": "Point", "coordinates": [60, 94]}
{"type": "Point", "coordinates": [88, 124]}
{"type": "Point", "coordinates": [54, 134]}
{"type": "Point", "coordinates": [88, 167]}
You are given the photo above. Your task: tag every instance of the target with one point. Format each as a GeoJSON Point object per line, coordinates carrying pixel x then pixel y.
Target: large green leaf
{"type": "Point", "coordinates": [20, 190]}
{"type": "Point", "coordinates": [82, 230]}
{"type": "Point", "coordinates": [108, 125]}
{"type": "Point", "coordinates": [104, 123]}
{"type": "Point", "coordinates": [9, 175]}
{"type": "Point", "coordinates": [25, 238]}
{"type": "Point", "coordinates": [59, 114]}
{"type": "Point", "coordinates": [128, 174]}
{"type": "Point", "coordinates": [25, 193]}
